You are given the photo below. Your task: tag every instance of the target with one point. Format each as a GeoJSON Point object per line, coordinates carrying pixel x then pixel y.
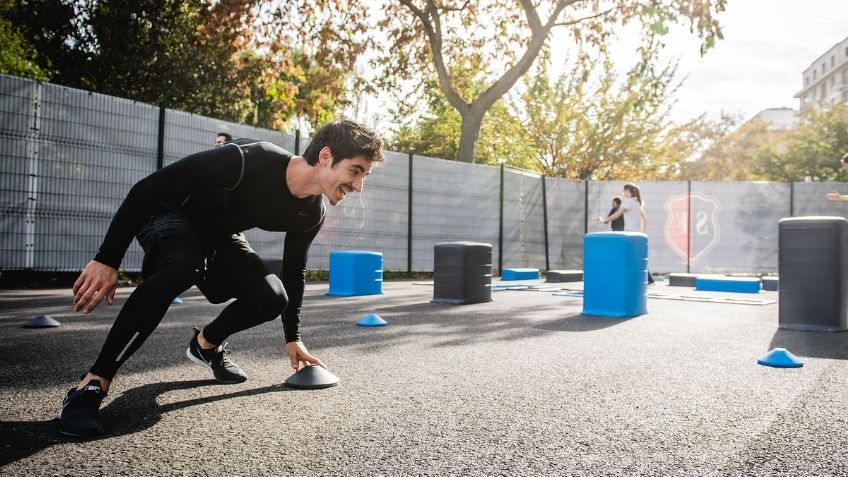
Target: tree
{"type": "Point", "coordinates": [429, 37]}
{"type": "Point", "coordinates": [240, 60]}
{"type": "Point", "coordinates": [736, 153]}
{"type": "Point", "coordinates": [437, 132]}
{"type": "Point", "coordinates": [812, 149]}
{"type": "Point", "coordinates": [591, 124]}
{"type": "Point", "coordinates": [17, 56]}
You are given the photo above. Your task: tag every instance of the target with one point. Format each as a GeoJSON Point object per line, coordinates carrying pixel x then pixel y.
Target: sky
{"type": "Point", "coordinates": [758, 65]}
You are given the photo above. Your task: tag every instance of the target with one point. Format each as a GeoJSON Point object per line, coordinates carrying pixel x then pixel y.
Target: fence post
{"type": "Point", "coordinates": [792, 198]}
{"type": "Point", "coordinates": [500, 225]}
{"type": "Point", "coordinates": [585, 206]}
{"type": "Point", "coordinates": [409, 221]}
{"type": "Point", "coordinates": [32, 178]}
{"type": "Point", "coordinates": [297, 141]}
{"type": "Point", "coordinates": [160, 145]}
{"type": "Point", "coordinates": [545, 217]}
{"type": "Point", "coordinates": [688, 224]}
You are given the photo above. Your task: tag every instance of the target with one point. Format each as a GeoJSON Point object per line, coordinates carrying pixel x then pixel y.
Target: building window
{"type": "Point", "coordinates": [823, 90]}
{"type": "Point", "coordinates": [807, 81]}
{"type": "Point", "coordinates": [832, 61]}
{"type": "Point", "coordinates": [833, 81]}
{"type": "Point", "coordinates": [814, 75]}
{"type": "Point", "coordinates": [823, 67]}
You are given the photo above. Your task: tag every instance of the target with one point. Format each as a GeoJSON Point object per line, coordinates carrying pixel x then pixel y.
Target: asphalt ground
{"type": "Point", "coordinates": [523, 385]}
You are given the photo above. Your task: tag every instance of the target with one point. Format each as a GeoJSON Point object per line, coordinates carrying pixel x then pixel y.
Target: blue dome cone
{"type": "Point", "coordinates": [371, 320]}
{"type": "Point", "coordinates": [41, 321]}
{"type": "Point", "coordinates": [780, 358]}
{"type": "Point", "coordinates": [177, 301]}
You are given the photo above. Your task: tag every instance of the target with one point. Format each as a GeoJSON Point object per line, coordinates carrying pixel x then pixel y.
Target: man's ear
{"type": "Point", "coordinates": [325, 157]}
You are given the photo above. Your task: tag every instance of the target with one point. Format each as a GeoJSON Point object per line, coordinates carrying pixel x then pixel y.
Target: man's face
{"type": "Point", "coordinates": [343, 178]}
{"type": "Point", "coordinates": [220, 140]}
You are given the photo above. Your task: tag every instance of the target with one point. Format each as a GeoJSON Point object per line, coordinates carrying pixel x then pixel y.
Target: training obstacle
{"type": "Point", "coordinates": [615, 274]}
{"type": "Point", "coordinates": [520, 274]}
{"type": "Point", "coordinates": [682, 280]}
{"type": "Point", "coordinates": [780, 358]}
{"type": "Point", "coordinates": [312, 377]}
{"type": "Point", "coordinates": [355, 273]}
{"type": "Point", "coordinates": [371, 320]}
{"type": "Point", "coordinates": [770, 283]}
{"type": "Point", "coordinates": [728, 284]}
{"type": "Point", "coordinates": [42, 321]}
{"type": "Point", "coordinates": [813, 270]}
{"type": "Point", "coordinates": [562, 276]}
{"type": "Point", "coordinates": [462, 272]}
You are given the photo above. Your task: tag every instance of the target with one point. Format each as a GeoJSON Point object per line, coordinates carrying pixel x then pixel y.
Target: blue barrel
{"type": "Point", "coordinates": [356, 272]}
{"type": "Point", "coordinates": [615, 274]}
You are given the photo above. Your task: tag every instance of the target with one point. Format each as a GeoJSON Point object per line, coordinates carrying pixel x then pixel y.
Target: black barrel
{"type": "Point", "coordinates": [462, 272]}
{"type": "Point", "coordinates": [813, 270]}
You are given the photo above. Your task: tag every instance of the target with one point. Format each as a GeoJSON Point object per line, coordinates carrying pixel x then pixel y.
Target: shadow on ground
{"type": "Point", "coordinates": [133, 411]}
{"type": "Point", "coordinates": [812, 344]}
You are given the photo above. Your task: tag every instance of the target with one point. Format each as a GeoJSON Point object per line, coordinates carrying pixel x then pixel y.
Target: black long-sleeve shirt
{"type": "Point", "coordinates": [224, 191]}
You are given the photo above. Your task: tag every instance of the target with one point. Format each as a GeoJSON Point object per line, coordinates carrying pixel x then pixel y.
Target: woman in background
{"type": "Point", "coordinates": [633, 212]}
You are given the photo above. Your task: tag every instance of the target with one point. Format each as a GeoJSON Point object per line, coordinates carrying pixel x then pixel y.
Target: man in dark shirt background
{"type": "Point", "coordinates": [617, 224]}
{"type": "Point", "coordinates": [189, 218]}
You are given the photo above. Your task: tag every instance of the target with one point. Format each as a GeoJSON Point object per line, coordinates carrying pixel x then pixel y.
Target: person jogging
{"type": "Point", "coordinates": [189, 217]}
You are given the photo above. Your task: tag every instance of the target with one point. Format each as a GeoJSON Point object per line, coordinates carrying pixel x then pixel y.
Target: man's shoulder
{"type": "Point", "coordinates": [260, 146]}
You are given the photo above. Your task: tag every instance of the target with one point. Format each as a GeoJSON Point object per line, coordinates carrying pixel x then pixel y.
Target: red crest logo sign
{"type": "Point", "coordinates": [697, 238]}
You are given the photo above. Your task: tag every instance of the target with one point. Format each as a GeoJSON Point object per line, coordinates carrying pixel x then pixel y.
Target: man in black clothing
{"type": "Point", "coordinates": [189, 218]}
{"type": "Point", "coordinates": [617, 224]}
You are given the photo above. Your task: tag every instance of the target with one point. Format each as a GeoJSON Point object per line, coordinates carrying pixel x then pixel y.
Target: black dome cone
{"type": "Point", "coordinates": [312, 377]}
{"type": "Point", "coordinates": [42, 321]}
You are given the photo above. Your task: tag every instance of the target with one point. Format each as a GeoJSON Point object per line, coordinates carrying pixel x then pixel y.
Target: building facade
{"type": "Point", "coordinates": [779, 119]}
{"type": "Point", "coordinates": [826, 79]}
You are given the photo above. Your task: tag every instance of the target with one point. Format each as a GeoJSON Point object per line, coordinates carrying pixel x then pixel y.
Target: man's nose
{"type": "Point", "coordinates": [358, 183]}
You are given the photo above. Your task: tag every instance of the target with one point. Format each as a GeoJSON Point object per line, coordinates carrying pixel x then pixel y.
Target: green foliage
{"type": "Point", "coordinates": [813, 149]}
{"type": "Point", "coordinates": [437, 132]}
{"type": "Point", "coordinates": [17, 56]}
{"type": "Point", "coordinates": [263, 63]}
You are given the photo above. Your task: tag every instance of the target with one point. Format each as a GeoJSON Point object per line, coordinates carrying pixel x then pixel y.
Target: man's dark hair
{"type": "Point", "coordinates": [617, 201]}
{"type": "Point", "coordinates": [227, 136]}
{"type": "Point", "coordinates": [346, 139]}
{"type": "Point", "coordinates": [845, 158]}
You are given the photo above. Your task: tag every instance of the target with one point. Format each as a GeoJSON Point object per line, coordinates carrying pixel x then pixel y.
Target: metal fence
{"type": "Point", "coordinates": [68, 157]}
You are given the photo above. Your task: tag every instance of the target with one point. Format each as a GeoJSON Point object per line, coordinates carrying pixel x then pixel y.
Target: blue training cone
{"type": "Point", "coordinates": [177, 301]}
{"type": "Point", "coordinates": [371, 320]}
{"type": "Point", "coordinates": [780, 358]}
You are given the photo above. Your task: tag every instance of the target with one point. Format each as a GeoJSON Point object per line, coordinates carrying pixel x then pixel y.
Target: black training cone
{"type": "Point", "coordinates": [41, 321]}
{"type": "Point", "coordinates": [312, 377]}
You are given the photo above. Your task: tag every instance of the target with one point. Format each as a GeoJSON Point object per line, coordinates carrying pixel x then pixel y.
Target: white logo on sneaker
{"type": "Point", "coordinates": [91, 388]}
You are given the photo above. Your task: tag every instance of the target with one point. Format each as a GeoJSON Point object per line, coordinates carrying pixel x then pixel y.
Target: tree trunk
{"type": "Point", "coordinates": [470, 131]}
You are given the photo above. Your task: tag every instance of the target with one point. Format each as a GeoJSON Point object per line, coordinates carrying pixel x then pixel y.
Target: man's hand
{"type": "Point", "coordinates": [298, 354]}
{"type": "Point", "coordinates": [834, 196]}
{"type": "Point", "coordinates": [96, 282]}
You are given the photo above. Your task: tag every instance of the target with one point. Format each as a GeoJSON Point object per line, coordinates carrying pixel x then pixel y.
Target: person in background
{"type": "Point", "coordinates": [617, 224]}
{"type": "Point", "coordinates": [632, 210]}
{"type": "Point", "coordinates": [222, 138]}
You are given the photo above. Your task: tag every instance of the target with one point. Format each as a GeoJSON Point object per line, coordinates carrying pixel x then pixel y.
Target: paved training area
{"type": "Point", "coordinates": [522, 386]}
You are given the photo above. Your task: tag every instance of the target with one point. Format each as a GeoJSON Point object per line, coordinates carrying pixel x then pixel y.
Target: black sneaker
{"type": "Point", "coordinates": [216, 360]}
{"type": "Point", "coordinates": [80, 415]}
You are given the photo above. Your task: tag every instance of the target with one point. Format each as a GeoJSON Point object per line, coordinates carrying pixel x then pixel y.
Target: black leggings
{"type": "Point", "coordinates": [174, 260]}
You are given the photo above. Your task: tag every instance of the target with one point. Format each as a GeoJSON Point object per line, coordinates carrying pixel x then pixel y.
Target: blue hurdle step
{"type": "Point", "coordinates": [520, 274]}
{"type": "Point", "coordinates": [728, 284]}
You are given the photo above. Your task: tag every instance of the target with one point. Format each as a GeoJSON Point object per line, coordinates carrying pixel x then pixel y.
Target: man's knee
{"type": "Point", "coordinates": [272, 298]}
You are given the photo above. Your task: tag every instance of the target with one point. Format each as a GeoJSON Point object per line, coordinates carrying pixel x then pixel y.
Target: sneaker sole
{"type": "Point", "coordinates": [206, 365]}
